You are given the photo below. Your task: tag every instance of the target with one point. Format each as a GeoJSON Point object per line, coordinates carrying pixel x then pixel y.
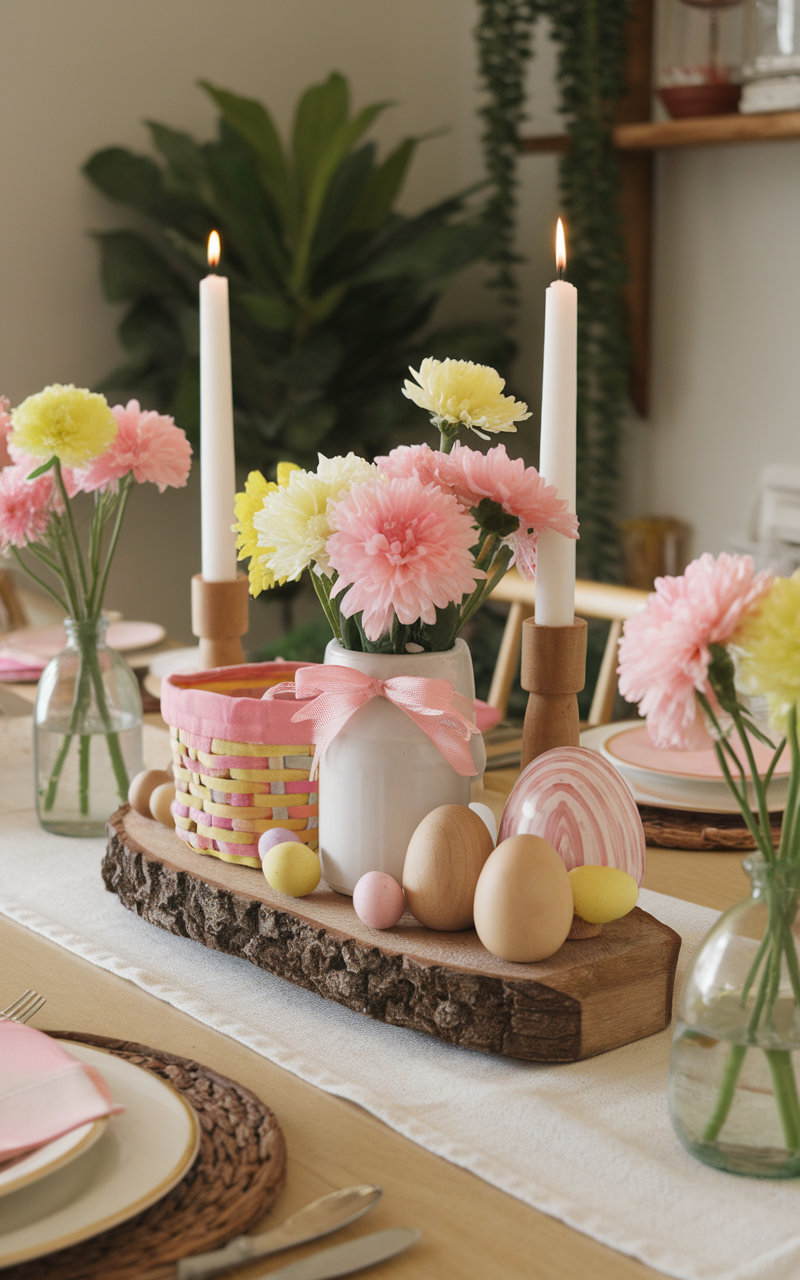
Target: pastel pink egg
{"type": "Point", "coordinates": [276, 835]}
{"type": "Point", "coordinates": [378, 900]}
{"type": "Point", "coordinates": [578, 803]}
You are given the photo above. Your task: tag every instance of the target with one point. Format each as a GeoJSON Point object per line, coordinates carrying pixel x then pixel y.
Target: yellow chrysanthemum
{"type": "Point", "coordinates": [246, 506]}
{"type": "Point", "coordinates": [68, 423]}
{"type": "Point", "coordinates": [458, 392]}
{"type": "Point", "coordinates": [293, 523]}
{"type": "Point", "coordinates": [768, 644]}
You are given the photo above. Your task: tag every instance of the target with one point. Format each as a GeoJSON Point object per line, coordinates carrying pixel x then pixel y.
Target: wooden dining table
{"type": "Point", "coordinates": [470, 1229]}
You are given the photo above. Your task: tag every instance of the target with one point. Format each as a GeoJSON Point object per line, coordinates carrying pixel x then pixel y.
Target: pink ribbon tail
{"type": "Point", "coordinates": [446, 717]}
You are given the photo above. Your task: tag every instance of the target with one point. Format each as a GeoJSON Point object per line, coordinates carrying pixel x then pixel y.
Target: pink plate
{"type": "Point", "coordinates": [634, 747]}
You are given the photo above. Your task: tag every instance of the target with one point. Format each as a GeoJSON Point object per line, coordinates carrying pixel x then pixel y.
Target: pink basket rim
{"type": "Point", "coordinates": [208, 714]}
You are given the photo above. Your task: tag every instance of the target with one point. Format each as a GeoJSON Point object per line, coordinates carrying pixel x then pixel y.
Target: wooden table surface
{"type": "Point", "coordinates": [470, 1230]}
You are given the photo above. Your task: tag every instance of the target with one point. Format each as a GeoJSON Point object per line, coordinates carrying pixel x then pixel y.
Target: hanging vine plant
{"type": "Point", "coordinates": [591, 73]}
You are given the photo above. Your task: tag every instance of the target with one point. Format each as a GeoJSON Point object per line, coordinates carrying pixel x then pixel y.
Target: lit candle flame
{"type": "Point", "coordinates": [561, 248]}
{"type": "Point", "coordinates": [213, 249]}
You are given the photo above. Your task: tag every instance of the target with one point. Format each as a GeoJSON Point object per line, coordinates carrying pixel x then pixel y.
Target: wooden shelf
{"type": "Point", "coordinates": [700, 131]}
{"type": "Point", "coordinates": [707, 131]}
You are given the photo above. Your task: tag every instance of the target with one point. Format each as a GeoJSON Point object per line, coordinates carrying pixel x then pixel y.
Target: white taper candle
{"type": "Point", "coordinates": [217, 466]}
{"type": "Point", "coordinates": [555, 558]}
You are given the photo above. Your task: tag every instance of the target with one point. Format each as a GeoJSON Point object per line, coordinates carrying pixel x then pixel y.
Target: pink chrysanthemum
{"type": "Point", "coordinates": [403, 548]}
{"type": "Point", "coordinates": [148, 444]}
{"type": "Point", "coordinates": [418, 460]}
{"type": "Point", "coordinates": [25, 507]}
{"type": "Point", "coordinates": [6, 427]}
{"type": "Point", "coordinates": [664, 654]}
{"type": "Point", "coordinates": [519, 490]}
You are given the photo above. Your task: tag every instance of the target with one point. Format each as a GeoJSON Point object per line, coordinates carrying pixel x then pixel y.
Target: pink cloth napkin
{"type": "Point", "coordinates": [44, 1091]}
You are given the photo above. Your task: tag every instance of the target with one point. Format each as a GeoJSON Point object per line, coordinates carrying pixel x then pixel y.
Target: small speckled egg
{"type": "Point", "coordinates": [602, 894]}
{"type": "Point", "coordinates": [292, 868]}
{"type": "Point", "coordinates": [143, 786]}
{"type": "Point", "coordinates": [276, 835]}
{"type": "Point", "coordinates": [161, 804]}
{"type": "Point", "coordinates": [378, 900]}
{"type": "Point", "coordinates": [485, 814]}
{"type": "Point", "coordinates": [443, 861]}
{"type": "Point", "coordinates": [523, 901]}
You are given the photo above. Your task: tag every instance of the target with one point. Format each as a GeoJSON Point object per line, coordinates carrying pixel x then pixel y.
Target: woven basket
{"type": "Point", "coordinates": [241, 766]}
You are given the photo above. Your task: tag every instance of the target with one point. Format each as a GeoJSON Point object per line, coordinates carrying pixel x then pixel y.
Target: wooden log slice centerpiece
{"type": "Point", "coordinates": [592, 995]}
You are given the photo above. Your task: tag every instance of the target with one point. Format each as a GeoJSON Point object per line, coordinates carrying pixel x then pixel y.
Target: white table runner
{"type": "Point", "coordinates": [589, 1142]}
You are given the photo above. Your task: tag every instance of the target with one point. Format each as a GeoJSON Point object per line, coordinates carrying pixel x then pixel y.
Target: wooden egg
{"type": "Point", "coordinates": [523, 901]}
{"type": "Point", "coordinates": [143, 786]}
{"type": "Point", "coordinates": [578, 803]}
{"type": "Point", "coordinates": [161, 804]}
{"type": "Point", "coordinates": [443, 862]}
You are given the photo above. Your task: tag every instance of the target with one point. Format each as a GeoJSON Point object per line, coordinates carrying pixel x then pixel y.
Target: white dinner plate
{"type": "Point", "coordinates": [15, 1174]}
{"type": "Point", "coordinates": [671, 791]}
{"type": "Point", "coordinates": [140, 1156]}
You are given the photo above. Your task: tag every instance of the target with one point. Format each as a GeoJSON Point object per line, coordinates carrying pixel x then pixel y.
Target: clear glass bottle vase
{"type": "Point", "coordinates": [87, 733]}
{"type": "Point", "coordinates": [736, 1049]}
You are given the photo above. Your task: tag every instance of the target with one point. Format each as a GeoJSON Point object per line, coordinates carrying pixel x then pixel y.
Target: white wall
{"type": "Point", "coordinates": [80, 75]}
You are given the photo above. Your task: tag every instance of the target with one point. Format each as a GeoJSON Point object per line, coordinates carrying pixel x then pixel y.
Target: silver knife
{"type": "Point", "coordinates": [344, 1259]}
{"type": "Point", "coordinates": [330, 1213]}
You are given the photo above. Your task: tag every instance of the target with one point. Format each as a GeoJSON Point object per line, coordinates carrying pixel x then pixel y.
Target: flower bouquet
{"type": "Point", "coordinates": [402, 552]}
{"type": "Point", "coordinates": [707, 651]}
{"type": "Point", "coordinates": [61, 443]}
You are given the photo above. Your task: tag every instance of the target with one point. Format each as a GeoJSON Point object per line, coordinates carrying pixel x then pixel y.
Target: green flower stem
{"type": "Point", "coordinates": [447, 437]}
{"type": "Point", "coordinates": [727, 1089]}
{"type": "Point", "coordinates": [324, 598]}
{"type": "Point", "coordinates": [83, 773]}
{"type": "Point", "coordinates": [55, 775]}
{"type": "Point", "coordinates": [45, 587]}
{"type": "Point", "coordinates": [791, 956]}
{"type": "Point", "coordinates": [97, 596]}
{"type": "Point", "coordinates": [79, 703]}
{"type": "Point", "coordinates": [758, 787]}
{"type": "Point", "coordinates": [494, 573]}
{"type": "Point", "coordinates": [786, 847]}
{"type": "Point", "coordinates": [784, 1086]}
{"type": "Point", "coordinates": [77, 605]}
{"type": "Point", "coordinates": [76, 546]}
{"type": "Point", "coordinates": [112, 737]}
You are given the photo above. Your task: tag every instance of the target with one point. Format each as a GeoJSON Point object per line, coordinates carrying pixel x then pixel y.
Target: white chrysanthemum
{"type": "Point", "coordinates": [459, 392]}
{"type": "Point", "coordinates": [293, 524]}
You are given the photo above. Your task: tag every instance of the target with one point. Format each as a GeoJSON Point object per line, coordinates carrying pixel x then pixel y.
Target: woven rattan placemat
{"type": "Point", "coordinates": [709, 832]}
{"type": "Point", "coordinates": [239, 1170]}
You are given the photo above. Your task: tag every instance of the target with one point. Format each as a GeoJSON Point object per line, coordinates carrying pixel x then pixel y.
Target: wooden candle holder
{"type": "Point", "coordinates": [219, 620]}
{"type": "Point", "coordinates": [553, 670]}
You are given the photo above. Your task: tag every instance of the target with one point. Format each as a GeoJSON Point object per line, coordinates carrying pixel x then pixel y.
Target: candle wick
{"type": "Point", "coordinates": [560, 275]}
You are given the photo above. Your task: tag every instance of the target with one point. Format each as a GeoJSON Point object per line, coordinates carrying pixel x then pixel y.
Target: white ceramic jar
{"type": "Point", "coordinates": [381, 774]}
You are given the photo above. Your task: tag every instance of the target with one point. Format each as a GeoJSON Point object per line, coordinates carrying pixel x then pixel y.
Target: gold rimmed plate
{"type": "Point", "coordinates": [140, 1155]}
{"type": "Point", "coordinates": [19, 1173]}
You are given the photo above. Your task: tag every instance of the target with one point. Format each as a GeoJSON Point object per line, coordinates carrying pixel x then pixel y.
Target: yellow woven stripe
{"type": "Point", "coordinates": [228, 837]}
{"type": "Point", "coordinates": [269, 775]}
{"type": "Point", "coordinates": [241, 810]}
{"type": "Point", "coordinates": [186, 824]}
{"type": "Point", "coordinates": [183, 774]}
{"type": "Point", "coordinates": [230, 857]}
{"type": "Point", "coordinates": [195, 789]}
{"type": "Point", "coordinates": [222, 748]}
{"type": "Point", "coordinates": [232, 784]}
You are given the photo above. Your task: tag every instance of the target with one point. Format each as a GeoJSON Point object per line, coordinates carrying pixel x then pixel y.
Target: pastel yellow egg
{"type": "Point", "coordinates": [161, 804]}
{"type": "Point", "coordinates": [292, 868]}
{"type": "Point", "coordinates": [602, 894]}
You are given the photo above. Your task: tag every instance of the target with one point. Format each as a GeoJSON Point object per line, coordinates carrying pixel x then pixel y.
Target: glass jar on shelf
{"type": "Point", "coordinates": [701, 50]}
{"type": "Point", "coordinates": [772, 65]}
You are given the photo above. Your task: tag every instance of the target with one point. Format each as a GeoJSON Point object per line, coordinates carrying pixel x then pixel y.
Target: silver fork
{"type": "Point", "coordinates": [23, 1009]}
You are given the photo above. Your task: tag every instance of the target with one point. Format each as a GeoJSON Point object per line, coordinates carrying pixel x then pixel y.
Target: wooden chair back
{"type": "Point", "coordinates": [12, 613]}
{"type": "Point", "coordinates": [592, 600]}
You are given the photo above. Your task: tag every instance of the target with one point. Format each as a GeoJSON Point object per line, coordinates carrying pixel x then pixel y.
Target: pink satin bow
{"type": "Point", "coordinates": [447, 717]}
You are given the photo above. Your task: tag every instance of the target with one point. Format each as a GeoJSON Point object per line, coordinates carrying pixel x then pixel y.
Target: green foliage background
{"type": "Point", "coordinates": [591, 39]}
{"type": "Point", "coordinates": [331, 287]}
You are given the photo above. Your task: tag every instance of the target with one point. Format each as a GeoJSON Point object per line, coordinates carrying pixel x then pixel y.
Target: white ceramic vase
{"type": "Point", "coordinates": [381, 774]}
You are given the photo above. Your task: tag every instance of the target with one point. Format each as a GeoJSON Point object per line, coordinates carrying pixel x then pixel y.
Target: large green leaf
{"type": "Point", "coordinates": [321, 112]}
{"type": "Point", "coordinates": [187, 163]}
{"type": "Point", "coordinates": [132, 268]}
{"type": "Point", "coordinates": [343, 196]}
{"type": "Point", "coordinates": [253, 122]}
{"type": "Point", "coordinates": [127, 178]}
{"type": "Point", "coordinates": [436, 254]}
{"type": "Point", "coordinates": [380, 192]}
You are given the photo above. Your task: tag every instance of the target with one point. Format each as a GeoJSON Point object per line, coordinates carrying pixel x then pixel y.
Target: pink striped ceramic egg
{"type": "Point", "coordinates": [577, 802]}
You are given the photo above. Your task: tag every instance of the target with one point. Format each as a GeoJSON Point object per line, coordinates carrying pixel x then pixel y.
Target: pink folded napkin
{"type": "Point", "coordinates": [44, 1091]}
